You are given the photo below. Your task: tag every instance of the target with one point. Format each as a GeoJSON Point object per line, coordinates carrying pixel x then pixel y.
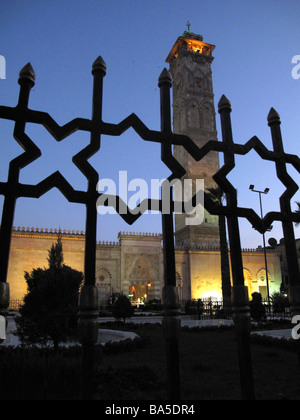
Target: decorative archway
{"type": "Point", "coordinates": [262, 282]}
{"type": "Point", "coordinates": [141, 280]}
{"type": "Point", "coordinates": [193, 114]}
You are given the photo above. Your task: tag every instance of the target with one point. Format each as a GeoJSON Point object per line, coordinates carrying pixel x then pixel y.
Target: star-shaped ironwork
{"type": "Point", "coordinates": [88, 307]}
{"type": "Point", "coordinates": [21, 114]}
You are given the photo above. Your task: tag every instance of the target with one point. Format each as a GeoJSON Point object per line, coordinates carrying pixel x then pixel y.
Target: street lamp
{"type": "Point", "coordinates": [148, 291]}
{"type": "Point", "coordinates": [266, 191]}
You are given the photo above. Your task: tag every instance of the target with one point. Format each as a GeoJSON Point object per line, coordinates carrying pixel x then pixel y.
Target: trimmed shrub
{"type": "Point", "coordinates": [257, 308]}
{"type": "Point", "coordinates": [122, 309]}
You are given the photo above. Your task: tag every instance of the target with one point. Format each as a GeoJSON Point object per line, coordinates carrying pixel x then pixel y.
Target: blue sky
{"type": "Point", "coordinates": [255, 42]}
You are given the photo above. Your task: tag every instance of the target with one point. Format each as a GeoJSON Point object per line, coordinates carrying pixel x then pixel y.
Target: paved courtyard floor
{"type": "Point", "coordinates": [106, 335]}
{"type": "Point", "coordinates": [287, 334]}
{"type": "Point", "coordinates": [185, 321]}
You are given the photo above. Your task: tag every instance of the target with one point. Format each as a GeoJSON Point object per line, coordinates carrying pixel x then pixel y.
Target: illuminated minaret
{"type": "Point", "coordinates": [194, 115]}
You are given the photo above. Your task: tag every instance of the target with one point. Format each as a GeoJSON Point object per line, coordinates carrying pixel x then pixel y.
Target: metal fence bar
{"type": "Point", "coordinates": [285, 206]}
{"type": "Point", "coordinates": [240, 297]}
{"type": "Point", "coordinates": [26, 82]}
{"type": "Point", "coordinates": [88, 305]}
{"type": "Point", "coordinates": [171, 311]}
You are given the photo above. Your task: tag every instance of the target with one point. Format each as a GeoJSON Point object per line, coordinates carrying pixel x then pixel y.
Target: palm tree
{"type": "Point", "coordinates": [217, 195]}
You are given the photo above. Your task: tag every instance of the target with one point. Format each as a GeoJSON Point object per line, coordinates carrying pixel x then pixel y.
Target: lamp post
{"type": "Point", "coordinates": [266, 191]}
{"type": "Point", "coordinates": [148, 289]}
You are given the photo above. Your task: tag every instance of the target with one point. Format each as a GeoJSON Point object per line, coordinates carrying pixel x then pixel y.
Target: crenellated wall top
{"type": "Point", "coordinates": [108, 243]}
{"type": "Point", "coordinates": [140, 234]}
{"type": "Point", "coordinates": [212, 248]}
{"type": "Point", "coordinates": [48, 231]}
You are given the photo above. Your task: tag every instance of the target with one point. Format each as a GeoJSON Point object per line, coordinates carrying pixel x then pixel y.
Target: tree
{"type": "Point", "coordinates": [122, 308]}
{"type": "Point", "coordinates": [49, 313]}
{"type": "Point", "coordinates": [279, 302]}
{"type": "Point", "coordinates": [56, 256]}
{"type": "Point", "coordinates": [217, 195]}
{"type": "Point", "coordinates": [257, 308]}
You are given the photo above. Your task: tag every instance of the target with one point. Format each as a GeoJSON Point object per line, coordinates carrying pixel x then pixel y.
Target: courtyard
{"type": "Point", "coordinates": [136, 369]}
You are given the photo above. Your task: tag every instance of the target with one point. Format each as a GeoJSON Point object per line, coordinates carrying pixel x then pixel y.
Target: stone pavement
{"type": "Point", "coordinates": [185, 321]}
{"type": "Point", "coordinates": [287, 334]}
{"type": "Point", "coordinates": [106, 335]}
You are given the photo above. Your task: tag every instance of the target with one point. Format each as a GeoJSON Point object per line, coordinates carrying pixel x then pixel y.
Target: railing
{"type": "Point", "coordinates": [15, 304]}
{"type": "Point", "coordinates": [204, 309]}
{"type": "Point", "coordinates": [212, 309]}
{"type": "Point", "coordinates": [277, 311]}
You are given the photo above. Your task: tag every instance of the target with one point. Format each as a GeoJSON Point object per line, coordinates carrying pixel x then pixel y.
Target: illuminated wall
{"type": "Point", "coordinates": [205, 269]}
{"type": "Point", "coordinates": [136, 259]}
{"type": "Point", "coordinates": [29, 249]}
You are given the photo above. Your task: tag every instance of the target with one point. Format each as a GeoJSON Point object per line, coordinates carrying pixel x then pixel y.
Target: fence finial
{"type": "Point", "coordinates": [27, 73]}
{"type": "Point", "coordinates": [165, 77]}
{"type": "Point", "coordinates": [223, 104]}
{"type": "Point", "coordinates": [99, 65]}
{"type": "Point", "coordinates": [273, 117]}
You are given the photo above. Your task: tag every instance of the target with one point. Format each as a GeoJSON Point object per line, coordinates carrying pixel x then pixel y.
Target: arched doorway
{"type": "Point", "coordinates": [138, 292]}
{"type": "Point", "coordinates": [141, 281]}
{"type": "Point", "coordinates": [262, 282]}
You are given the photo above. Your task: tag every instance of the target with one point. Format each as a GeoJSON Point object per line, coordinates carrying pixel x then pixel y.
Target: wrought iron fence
{"type": "Point", "coordinates": [88, 325]}
{"type": "Point", "coordinates": [15, 304]}
{"type": "Point", "coordinates": [277, 310]}
{"type": "Point", "coordinates": [204, 308]}
{"type": "Point", "coordinates": [215, 309]}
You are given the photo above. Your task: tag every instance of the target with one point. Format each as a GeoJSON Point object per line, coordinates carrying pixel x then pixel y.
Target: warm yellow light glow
{"type": "Point", "coordinates": [212, 294]}
{"type": "Point", "coordinates": [193, 45]}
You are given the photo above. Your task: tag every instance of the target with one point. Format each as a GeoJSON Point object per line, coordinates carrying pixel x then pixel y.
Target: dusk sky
{"type": "Point", "coordinates": [255, 41]}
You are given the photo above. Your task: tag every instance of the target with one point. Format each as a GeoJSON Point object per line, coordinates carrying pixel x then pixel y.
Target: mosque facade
{"type": "Point", "coordinates": [133, 265]}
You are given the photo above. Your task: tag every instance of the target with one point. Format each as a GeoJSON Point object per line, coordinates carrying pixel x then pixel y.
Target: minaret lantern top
{"type": "Point", "coordinates": [190, 42]}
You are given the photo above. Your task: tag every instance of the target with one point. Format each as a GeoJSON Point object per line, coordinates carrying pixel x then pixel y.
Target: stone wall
{"type": "Point", "coordinates": [29, 250]}
{"type": "Point", "coordinates": [136, 259]}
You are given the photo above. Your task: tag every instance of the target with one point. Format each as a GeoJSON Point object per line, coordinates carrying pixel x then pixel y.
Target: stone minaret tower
{"type": "Point", "coordinates": [194, 115]}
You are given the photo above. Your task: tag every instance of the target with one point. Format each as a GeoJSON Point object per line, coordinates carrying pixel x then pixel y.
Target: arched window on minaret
{"type": "Point", "coordinates": [193, 115]}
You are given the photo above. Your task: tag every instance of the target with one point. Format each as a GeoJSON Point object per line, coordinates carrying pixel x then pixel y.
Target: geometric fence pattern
{"type": "Point", "coordinates": [88, 312]}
